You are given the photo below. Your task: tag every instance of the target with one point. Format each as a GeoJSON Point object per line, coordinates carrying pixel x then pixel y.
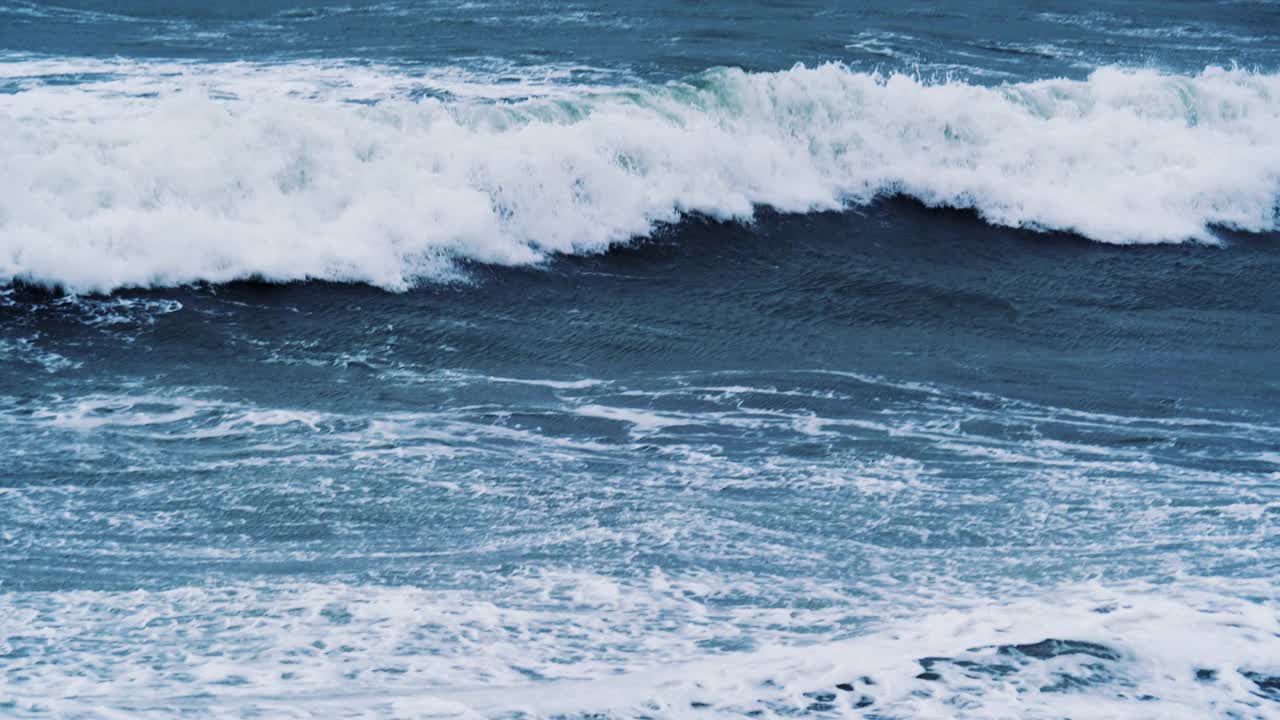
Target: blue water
{"type": "Point", "coordinates": [765, 359]}
{"type": "Point", "coordinates": [990, 40]}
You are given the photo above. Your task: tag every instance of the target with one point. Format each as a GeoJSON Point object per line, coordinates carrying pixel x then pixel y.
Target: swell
{"type": "Point", "coordinates": [160, 175]}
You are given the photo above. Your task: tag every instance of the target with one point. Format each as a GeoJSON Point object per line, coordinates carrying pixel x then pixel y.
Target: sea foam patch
{"type": "Point", "coordinates": [1079, 651]}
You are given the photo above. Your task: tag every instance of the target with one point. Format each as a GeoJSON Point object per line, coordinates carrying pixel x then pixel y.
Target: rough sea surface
{"type": "Point", "coordinates": [498, 359]}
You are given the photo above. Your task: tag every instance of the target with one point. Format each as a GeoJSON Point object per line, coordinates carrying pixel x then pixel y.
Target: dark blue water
{"type": "Point", "coordinates": [440, 359]}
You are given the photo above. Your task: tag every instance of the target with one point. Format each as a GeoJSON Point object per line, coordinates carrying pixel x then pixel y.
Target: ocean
{"type": "Point", "coordinates": [658, 359]}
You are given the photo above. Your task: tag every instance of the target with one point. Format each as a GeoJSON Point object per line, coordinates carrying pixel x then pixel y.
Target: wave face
{"type": "Point", "coordinates": [151, 174]}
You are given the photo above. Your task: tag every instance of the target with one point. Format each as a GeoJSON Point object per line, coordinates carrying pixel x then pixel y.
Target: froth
{"type": "Point", "coordinates": [305, 650]}
{"type": "Point", "coordinates": [172, 174]}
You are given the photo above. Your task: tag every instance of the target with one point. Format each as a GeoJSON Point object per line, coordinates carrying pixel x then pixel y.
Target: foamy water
{"type": "Point", "coordinates": [754, 555]}
{"type": "Point", "coordinates": [320, 650]}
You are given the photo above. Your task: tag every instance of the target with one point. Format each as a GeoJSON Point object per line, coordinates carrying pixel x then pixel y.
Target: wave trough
{"type": "Point", "coordinates": [165, 174]}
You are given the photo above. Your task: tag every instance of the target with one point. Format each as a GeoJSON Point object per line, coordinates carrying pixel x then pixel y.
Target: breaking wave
{"type": "Point", "coordinates": [155, 174]}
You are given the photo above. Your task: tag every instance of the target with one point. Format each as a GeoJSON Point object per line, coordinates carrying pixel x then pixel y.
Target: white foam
{"type": "Point", "coordinates": [170, 173]}
{"type": "Point", "coordinates": [641, 421]}
{"type": "Point", "coordinates": [553, 384]}
{"type": "Point", "coordinates": [630, 649]}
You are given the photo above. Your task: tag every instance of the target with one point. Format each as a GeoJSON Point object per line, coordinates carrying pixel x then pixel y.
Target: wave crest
{"type": "Point", "coordinates": [161, 175]}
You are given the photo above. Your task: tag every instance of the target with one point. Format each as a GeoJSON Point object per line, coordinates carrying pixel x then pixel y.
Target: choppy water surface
{"type": "Point", "coordinates": [519, 360]}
